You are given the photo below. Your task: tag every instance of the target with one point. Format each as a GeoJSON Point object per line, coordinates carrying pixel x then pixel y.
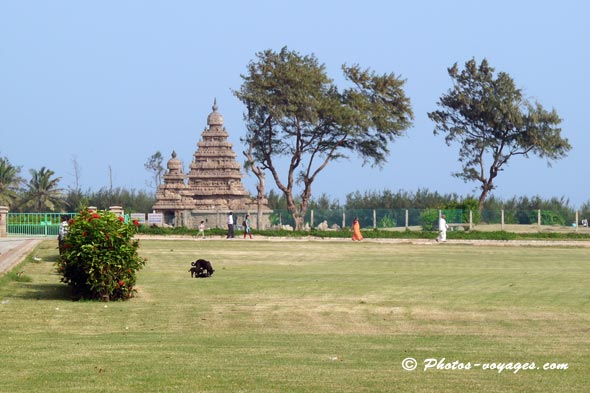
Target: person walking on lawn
{"type": "Point", "coordinates": [247, 227]}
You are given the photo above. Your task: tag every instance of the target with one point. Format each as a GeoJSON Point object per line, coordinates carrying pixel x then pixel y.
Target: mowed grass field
{"type": "Point", "coordinates": [307, 316]}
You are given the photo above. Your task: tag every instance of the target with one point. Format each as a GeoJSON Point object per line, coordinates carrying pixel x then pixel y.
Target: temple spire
{"type": "Point", "coordinates": [215, 118]}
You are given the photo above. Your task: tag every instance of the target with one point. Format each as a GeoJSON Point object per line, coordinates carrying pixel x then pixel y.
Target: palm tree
{"type": "Point", "coordinates": [10, 182]}
{"type": "Point", "coordinates": [42, 192]}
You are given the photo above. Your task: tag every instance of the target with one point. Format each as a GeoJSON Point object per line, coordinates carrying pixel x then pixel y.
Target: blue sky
{"type": "Point", "coordinates": [109, 83]}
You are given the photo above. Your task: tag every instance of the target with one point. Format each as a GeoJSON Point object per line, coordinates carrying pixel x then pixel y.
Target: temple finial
{"type": "Point", "coordinates": [173, 154]}
{"type": "Point", "coordinates": [214, 104]}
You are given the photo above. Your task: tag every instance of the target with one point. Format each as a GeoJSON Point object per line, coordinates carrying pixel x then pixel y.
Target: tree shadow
{"type": "Point", "coordinates": [46, 292]}
{"type": "Point", "coordinates": [51, 258]}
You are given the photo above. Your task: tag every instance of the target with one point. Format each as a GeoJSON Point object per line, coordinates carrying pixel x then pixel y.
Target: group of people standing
{"type": "Point", "coordinates": [246, 224]}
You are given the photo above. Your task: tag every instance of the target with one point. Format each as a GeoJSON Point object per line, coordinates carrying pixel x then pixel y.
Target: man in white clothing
{"type": "Point", "coordinates": [442, 229]}
{"type": "Point", "coordinates": [230, 225]}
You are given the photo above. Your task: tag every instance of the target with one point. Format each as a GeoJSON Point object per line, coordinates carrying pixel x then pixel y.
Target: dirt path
{"type": "Point", "coordinates": [501, 243]}
{"type": "Point", "coordinates": [14, 250]}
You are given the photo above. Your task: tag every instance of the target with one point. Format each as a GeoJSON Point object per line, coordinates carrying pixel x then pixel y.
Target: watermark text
{"type": "Point", "coordinates": [442, 364]}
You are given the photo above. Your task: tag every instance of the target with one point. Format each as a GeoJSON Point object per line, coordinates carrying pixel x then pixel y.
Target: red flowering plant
{"type": "Point", "coordinates": [99, 259]}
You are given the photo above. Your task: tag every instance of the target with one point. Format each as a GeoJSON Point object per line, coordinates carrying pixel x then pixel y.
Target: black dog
{"type": "Point", "coordinates": [201, 268]}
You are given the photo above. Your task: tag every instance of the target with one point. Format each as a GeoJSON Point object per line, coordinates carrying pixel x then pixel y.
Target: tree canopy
{"type": "Point", "coordinates": [42, 193]}
{"type": "Point", "coordinates": [155, 167]}
{"type": "Point", "coordinates": [296, 113]}
{"type": "Point", "coordinates": [492, 121]}
{"type": "Point", "coordinates": [10, 182]}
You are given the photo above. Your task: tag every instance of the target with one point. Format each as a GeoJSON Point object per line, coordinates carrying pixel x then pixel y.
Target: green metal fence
{"type": "Point", "coordinates": [427, 219]}
{"type": "Point", "coordinates": [34, 224]}
{"type": "Point", "coordinates": [47, 224]}
{"type": "Point", "coordinates": [376, 218]}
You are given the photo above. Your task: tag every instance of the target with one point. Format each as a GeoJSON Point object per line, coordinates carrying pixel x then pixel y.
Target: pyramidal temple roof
{"type": "Point", "coordinates": [214, 171]}
{"type": "Point", "coordinates": [214, 179]}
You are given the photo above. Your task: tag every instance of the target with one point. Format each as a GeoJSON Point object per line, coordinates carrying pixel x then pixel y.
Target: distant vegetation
{"type": "Point", "coordinates": [42, 194]}
{"type": "Point", "coordinates": [133, 201]}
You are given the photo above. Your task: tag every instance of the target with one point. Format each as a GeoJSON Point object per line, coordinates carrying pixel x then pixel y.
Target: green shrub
{"type": "Point", "coordinates": [549, 217]}
{"type": "Point", "coordinates": [429, 219]}
{"type": "Point", "coordinates": [387, 222]}
{"type": "Point", "coordinates": [99, 259]}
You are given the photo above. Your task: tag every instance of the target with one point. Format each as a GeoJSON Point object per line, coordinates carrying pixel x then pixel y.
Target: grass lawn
{"type": "Point", "coordinates": [306, 316]}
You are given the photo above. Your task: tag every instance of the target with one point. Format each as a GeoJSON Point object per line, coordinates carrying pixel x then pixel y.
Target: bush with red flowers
{"type": "Point", "coordinates": [99, 259]}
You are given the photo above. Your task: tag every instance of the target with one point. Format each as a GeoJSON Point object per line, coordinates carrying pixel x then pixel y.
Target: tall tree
{"type": "Point", "coordinates": [154, 166]}
{"type": "Point", "coordinates": [295, 112]}
{"type": "Point", "coordinates": [492, 121]}
{"type": "Point", "coordinates": [42, 192]}
{"type": "Point", "coordinates": [10, 182]}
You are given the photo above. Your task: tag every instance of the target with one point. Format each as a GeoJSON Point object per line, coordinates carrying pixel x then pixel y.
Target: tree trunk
{"type": "Point", "coordinates": [259, 187]}
{"type": "Point", "coordinates": [482, 199]}
{"type": "Point", "coordinates": [258, 214]}
{"type": "Point", "coordinates": [295, 212]}
{"type": "Point", "coordinates": [486, 188]}
{"type": "Point", "coordinates": [298, 221]}
{"type": "Point", "coordinates": [305, 197]}
{"type": "Point", "coordinates": [260, 196]}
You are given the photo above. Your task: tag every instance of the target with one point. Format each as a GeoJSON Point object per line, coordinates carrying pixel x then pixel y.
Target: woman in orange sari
{"type": "Point", "coordinates": [356, 229]}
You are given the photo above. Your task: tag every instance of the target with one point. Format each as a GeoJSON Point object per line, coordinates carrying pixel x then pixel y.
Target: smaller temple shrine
{"type": "Point", "coordinates": [213, 186]}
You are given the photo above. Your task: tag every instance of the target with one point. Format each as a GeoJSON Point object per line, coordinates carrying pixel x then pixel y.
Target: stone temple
{"type": "Point", "coordinates": [213, 186]}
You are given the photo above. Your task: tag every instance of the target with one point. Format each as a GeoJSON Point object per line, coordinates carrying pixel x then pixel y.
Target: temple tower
{"type": "Point", "coordinates": [214, 186]}
{"type": "Point", "coordinates": [215, 178]}
{"type": "Point", "coordinates": [169, 197]}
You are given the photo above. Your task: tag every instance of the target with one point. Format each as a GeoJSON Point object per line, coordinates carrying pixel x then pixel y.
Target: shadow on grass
{"type": "Point", "coordinates": [51, 258]}
{"type": "Point", "coordinates": [46, 292]}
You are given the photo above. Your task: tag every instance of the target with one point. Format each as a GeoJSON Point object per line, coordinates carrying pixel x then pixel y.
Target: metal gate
{"type": "Point", "coordinates": [35, 224]}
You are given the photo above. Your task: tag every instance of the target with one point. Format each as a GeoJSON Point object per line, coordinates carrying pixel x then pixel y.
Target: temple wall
{"type": "Point", "coordinates": [218, 218]}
